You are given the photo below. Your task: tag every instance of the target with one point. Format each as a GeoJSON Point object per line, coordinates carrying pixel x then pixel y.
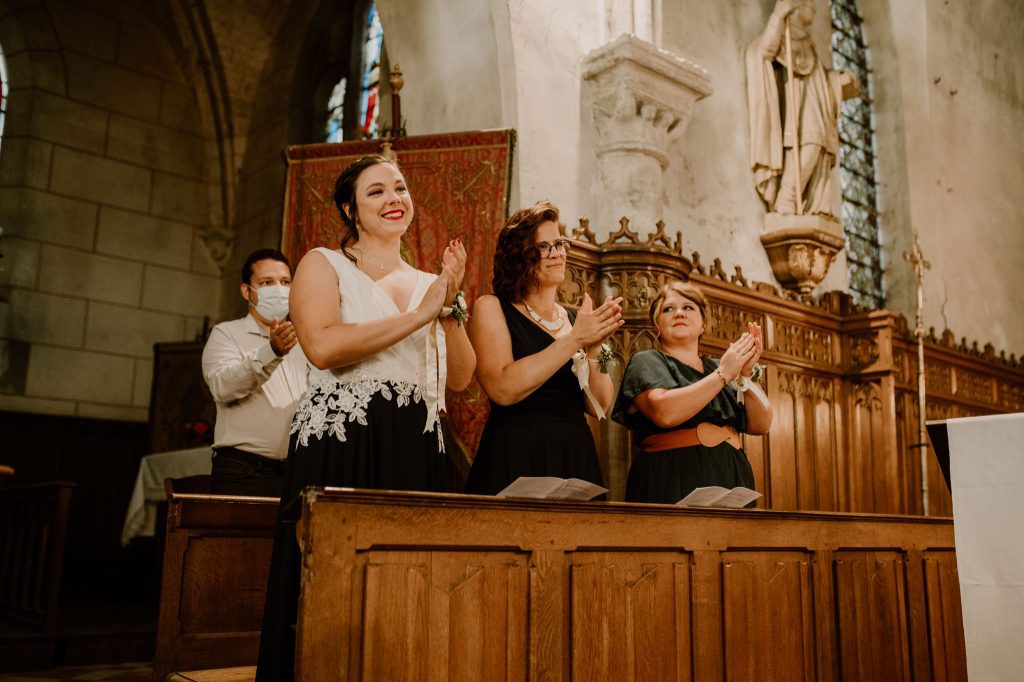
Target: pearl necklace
{"type": "Point", "coordinates": [550, 326]}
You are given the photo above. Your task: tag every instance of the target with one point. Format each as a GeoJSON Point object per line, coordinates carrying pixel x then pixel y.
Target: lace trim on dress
{"type": "Point", "coordinates": [332, 403]}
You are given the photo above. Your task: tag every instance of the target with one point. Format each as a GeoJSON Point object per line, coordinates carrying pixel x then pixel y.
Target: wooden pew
{"type": "Point", "coordinates": [33, 529]}
{"type": "Point", "coordinates": [216, 559]}
{"type": "Point", "coordinates": [446, 587]}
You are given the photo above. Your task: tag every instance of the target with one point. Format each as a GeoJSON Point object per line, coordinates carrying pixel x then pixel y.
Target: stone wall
{"type": "Point", "coordinates": [951, 159]}
{"type": "Point", "coordinates": [101, 196]}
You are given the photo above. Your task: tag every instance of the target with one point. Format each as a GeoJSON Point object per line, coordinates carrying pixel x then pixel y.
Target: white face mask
{"type": "Point", "coordinates": [273, 301]}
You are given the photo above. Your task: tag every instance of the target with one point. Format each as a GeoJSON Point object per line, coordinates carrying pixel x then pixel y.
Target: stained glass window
{"type": "Point", "coordinates": [360, 87]}
{"type": "Point", "coordinates": [857, 160]}
{"type": "Point", "coordinates": [3, 90]}
{"type": "Point", "coordinates": [369, 106]}
{"type": "Point", "coordinates": [336, 113]}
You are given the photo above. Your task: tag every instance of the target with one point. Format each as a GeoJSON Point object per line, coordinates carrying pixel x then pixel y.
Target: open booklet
{"type": "Point", "coordinates": [552, 488]}
{"type": "Point", "coordinates": [717, 496]}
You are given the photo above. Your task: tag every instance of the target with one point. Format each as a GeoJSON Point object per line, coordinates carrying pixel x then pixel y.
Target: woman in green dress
{"type": "Point", "coordinates": [684, 409]}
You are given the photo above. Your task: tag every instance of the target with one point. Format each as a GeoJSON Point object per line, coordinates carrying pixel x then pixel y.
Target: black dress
{"type": "Point", "coordinates": [544, 434]}
{"type": "Point", "coordinates": [361, 427]}
{"type": "Point", "coordinates": [668, 476]}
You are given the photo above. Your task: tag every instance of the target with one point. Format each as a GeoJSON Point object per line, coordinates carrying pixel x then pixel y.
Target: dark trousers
{"type": "Point", "coordinates": [236, 472]}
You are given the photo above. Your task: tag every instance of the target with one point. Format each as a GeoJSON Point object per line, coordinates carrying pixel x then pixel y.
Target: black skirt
{"type": "Point", "coordinates": [389, 452]}
{"type": "Point", "coordinates": [533, 445]}
{"type": "Point", "coordinates": [670, 475]}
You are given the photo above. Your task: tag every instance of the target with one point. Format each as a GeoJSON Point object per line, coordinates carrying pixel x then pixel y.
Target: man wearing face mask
{"type": "Point", "coordinates": [257, 374]}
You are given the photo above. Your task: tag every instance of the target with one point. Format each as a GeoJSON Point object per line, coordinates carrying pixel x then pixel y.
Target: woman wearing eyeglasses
{"type": "Point", "coordinates": [526, 346]}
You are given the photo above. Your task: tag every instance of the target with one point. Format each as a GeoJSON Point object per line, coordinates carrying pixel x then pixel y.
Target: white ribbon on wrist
{"type": "Point", "coordinates": [433, 377]}
{"type": "Point", "coordinates": [581, 368]}
{"type": "Point", "coordinates": [743, 384]}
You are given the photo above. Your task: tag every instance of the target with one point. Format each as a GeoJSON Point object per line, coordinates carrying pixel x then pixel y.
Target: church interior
{"type": "Point", "coordinates": [146, 148]}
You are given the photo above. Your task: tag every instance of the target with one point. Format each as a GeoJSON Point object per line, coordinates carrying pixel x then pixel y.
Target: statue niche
{"type": "Point", "coordinates": [793, 105]}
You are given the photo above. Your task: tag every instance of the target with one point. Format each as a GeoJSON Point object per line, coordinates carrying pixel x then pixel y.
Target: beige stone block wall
{"type": "Point", "coordinates": [21, 263]}
{"type": "Point", "coordinates": [181, 292]}
{"type": "Point", "coordinates": [91, 177]}
{"type": "Point", "coordinates": [95, 377]}
{"type": "Point", "coordinates": [44, 216]}
{"type": "Point", "coordinates": [144, 238]}
{"type": "Point", "coordinates": [43, 318]}
{"type": "Point", "coordinates": [104, 185]}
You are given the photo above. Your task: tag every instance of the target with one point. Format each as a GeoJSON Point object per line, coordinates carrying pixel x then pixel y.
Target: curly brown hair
{"type": "Point", "coordinates": [515, 257]}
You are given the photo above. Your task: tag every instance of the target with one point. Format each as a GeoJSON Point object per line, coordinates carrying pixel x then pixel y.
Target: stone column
{"type": "Point", "coordinates": [642, 100]}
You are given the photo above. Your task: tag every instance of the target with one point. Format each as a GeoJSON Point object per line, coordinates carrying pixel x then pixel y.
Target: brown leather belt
{"type": "Point", "coordinates": [706, 434]}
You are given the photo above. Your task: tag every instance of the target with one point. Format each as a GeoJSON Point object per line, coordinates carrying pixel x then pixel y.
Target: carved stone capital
{"type": "Point", "coordinates": [801, 248]}
{"type": "Point", "coordinates": [643, 98]}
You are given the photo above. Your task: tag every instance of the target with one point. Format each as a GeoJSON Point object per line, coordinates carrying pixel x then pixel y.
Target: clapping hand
{"type": "Point", "coordinates": [737, 355]}
{"type": "Point", "coordinates": [282, 337]}
{"type": "Point", "coordinates": [434, 298]}
{"type": "Point", "coordinates": [453, 262]}
{"type": "Point", "coordinates": [592, 326]}
{"type": "Point", "coordinates": [754, 329]}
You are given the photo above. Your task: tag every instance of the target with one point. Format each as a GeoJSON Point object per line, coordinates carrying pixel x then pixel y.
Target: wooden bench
{"type": "Point", "coordinates": [216, 560]}
{"type": "Point", "coordinates": [33, 528]}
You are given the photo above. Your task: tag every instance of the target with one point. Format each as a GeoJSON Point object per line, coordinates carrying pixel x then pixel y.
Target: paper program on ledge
{"type": "Point", "coordinates": [717, 496]}
{"type": "Point", "coordinates": [552, 488]}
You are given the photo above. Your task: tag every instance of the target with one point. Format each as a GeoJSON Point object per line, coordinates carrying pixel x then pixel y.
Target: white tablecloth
{"type": "Point", "coordinates": [149, 486]}
{"type": "Point", "coordinates": [986, 458]}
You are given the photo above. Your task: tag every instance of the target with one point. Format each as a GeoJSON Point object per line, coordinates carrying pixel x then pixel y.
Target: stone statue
{"type": "Point", "coordinates": [813, 91]}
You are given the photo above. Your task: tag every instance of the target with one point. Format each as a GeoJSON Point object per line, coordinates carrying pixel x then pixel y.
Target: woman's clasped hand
{"type": "Point", "coordinates": [593, 326]}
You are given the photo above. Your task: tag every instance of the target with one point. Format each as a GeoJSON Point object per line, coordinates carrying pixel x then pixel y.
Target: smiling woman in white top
{"type": "Point", "coordinates": [384, 351]}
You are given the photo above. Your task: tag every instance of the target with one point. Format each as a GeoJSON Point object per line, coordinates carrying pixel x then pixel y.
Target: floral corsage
{"type": "Point", "coordinates": [605, 357]}
{"type": "Point", "coordinates": [757, 372]}
{"type": "Point", "coordinates": [458, 309]}
{"type": "Point", "coordinates": [742, 384]}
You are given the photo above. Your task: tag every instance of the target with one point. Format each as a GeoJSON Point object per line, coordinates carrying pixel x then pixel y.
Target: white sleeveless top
{"type": "Point", "coordinates": [412, 369]}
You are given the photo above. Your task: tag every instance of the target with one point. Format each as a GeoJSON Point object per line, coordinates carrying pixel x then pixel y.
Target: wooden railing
{"type": "Point", "coordinates": [842, 381]}
{"type": "Point", "coordinates": [446, 587]}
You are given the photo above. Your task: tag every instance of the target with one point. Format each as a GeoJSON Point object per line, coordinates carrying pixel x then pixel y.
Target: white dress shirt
{"type": "Point", "coordinates": [255, 390]}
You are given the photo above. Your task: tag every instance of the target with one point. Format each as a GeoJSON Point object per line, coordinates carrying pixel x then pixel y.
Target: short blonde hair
{"type": "Point", "coordinates": [684, 289]}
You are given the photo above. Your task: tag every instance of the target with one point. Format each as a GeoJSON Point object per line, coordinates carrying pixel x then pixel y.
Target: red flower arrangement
{"type": "Point", "coordinates": [197, 433]}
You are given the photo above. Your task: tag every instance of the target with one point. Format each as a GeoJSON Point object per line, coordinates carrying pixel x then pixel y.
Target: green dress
{"type": "Point", "coordinates": [670, 475]}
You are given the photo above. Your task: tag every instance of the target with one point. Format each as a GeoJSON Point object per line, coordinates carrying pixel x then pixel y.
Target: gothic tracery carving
{"type": "Point", "coordinates": [864, 350]}
{"type": "Point", "coordinates": [819, 371]}
{"type": "Point", "coordinates": [803, 342]}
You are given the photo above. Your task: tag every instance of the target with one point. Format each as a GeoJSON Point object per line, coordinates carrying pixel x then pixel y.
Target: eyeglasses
{"type": "Point", "coordinates": [545, 248]}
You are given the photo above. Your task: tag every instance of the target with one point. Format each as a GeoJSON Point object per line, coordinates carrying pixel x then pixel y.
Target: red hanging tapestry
{"type": "Point", "coordinates": [459, 184]}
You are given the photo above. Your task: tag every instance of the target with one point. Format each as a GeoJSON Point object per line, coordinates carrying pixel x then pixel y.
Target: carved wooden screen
{"type": "Point", "coordinates": [842, 381]}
